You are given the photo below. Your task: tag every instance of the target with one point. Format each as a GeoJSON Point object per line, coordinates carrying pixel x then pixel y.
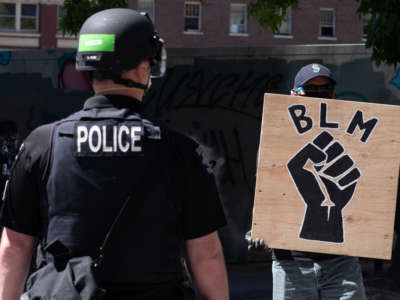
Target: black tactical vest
{"type": "Point", "coordinates": [99, 157]}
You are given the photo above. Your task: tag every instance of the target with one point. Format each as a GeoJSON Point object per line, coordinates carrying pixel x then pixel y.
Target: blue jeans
{"type": "Point", "coordinates": [338, 278]}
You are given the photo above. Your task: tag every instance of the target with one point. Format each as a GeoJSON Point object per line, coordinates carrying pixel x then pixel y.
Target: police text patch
{"type": "Point", "coordinates": [108, 138]}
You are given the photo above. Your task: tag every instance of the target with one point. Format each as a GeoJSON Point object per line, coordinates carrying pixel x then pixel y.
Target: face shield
{"type": "Point", "coordinates": [159, 62]}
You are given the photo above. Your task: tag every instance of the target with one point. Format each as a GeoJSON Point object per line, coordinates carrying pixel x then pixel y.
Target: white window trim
{"type": "Point", "coordinates": [324, 37]}
{"type": "Point", "coordinates": [57, 2]}
{"type": "Point", "coordinates": [18, 16]}
{"type": "Point", "coordinates": [245, 23]}
{"type": "Point", "coordinates": [364, 36]}
{"type": "Point", "coordinates": [21, 1]}
{"type": "Point", "coordinates": [239, 34]}
{"type": "Point", "coordinates": [193, 32]}
{"type": "Point", "coordinates": [327, 38]}
{"type": "Point", "coordinates": [200, 31]}
{"type": "Point", "coordinates": [154, 8]}
{"type": "Point", "coordinates": [67, 42]}
{"type": "Point", "coordinates": [17, 39]}
{"type": "Point", "coordinates": [283, 35]}
{"type": "Point", "coordinates": [59, 34]}
{"type": "Point", "coordinates": [20, 34]}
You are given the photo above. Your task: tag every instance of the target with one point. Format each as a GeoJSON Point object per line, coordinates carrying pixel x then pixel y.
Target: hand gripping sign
{"type": "Point", "coordinates": [327, 176]}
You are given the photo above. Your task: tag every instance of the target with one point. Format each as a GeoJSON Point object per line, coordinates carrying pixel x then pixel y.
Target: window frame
{"type": "Point", "coordinates": [8, 16]}
{"type": "Point", "coordinates": [333, 36]}
{"type": "Point", "coordinates": [289, 35]}
{"type": "Point", "coordinates": [245, 33]}
{"type": "Point", "coordinates": [153, 13]}
{"type": "Point", "coordinates": [365, 18]}
{"type": "Point", "coordinates": [200, 23]}
{"type": "Point", "coordinates": [18, 17]}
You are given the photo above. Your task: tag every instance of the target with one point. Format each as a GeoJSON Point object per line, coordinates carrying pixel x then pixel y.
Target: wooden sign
{"type": "Point", "coordinates": [327, 176]}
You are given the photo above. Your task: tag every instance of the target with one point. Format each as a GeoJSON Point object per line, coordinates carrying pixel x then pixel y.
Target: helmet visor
{"type": "Point", "coordinates": [159, 63]}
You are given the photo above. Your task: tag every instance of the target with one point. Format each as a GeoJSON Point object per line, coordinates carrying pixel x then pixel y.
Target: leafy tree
{"type": "Point", "coordinates": [271, 13]}
{"type": "Point", "coordinates": [383, 30]}
{"type": "Point", "coordinates": [76, 12]}
{"type": "Point", "coordinates": [383, 27]}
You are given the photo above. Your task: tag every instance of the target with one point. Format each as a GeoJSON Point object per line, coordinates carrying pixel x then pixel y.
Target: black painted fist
{"type": "Point", "coordinates": [326, 186]}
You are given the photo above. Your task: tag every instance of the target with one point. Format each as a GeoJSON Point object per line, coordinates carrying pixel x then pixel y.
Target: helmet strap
{"type": "Point", "coordinates": [130, 83]}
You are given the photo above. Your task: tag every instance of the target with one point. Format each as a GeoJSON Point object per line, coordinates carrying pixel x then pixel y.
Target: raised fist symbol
{"type": "Point", "coordinates": [326, 179]}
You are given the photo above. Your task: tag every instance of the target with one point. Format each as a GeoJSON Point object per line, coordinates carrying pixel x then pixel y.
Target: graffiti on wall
{"type": "Point", "coordinates": [217, 102]}
{"type": "Point", "coordinates": [396, 79]}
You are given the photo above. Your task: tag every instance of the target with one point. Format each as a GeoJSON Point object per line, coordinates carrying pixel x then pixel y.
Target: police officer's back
{"type": "Point", "coordinates": [72, 178]}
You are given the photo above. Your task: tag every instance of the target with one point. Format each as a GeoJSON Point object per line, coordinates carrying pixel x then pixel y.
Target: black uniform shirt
{"type": "Point", "coordinates": [24, 212]}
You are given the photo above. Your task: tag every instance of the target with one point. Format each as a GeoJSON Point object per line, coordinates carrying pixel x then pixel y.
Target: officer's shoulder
{"type": "Point", "coordinates": [40, 134]}
{"type": "Point", "coordinates": [38, 141]}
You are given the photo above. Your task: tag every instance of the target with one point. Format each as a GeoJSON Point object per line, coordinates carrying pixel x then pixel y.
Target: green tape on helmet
{"type": "Point", "coordinates": [96, 42]}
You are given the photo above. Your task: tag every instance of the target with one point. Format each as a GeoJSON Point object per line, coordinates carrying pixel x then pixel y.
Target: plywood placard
{"type": "Point", "coordinates": [327, 176]}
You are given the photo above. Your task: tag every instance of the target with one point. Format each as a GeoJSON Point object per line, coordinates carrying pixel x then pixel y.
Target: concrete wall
{"type": "Point", "coordinates": [213, 95]}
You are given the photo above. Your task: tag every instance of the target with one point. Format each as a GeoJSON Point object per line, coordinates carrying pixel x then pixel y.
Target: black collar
{"type": "Point", "coordinates": [117, 101]}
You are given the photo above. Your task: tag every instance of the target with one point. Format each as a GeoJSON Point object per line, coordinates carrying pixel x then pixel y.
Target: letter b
{"type": "Point", "coordinates": [300, 120]}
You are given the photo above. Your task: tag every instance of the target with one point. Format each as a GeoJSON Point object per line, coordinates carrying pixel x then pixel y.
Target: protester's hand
{"type": "Point", "coordinates": [257, 244]}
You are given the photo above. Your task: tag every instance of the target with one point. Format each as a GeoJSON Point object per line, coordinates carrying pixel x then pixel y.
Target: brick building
{"type": "Point", "coordinates": [33, 24]}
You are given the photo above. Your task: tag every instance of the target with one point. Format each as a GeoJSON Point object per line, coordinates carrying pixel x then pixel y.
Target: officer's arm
{"type": "Point", "coordinates": [15, 256]}
{"type": "Point", "coordinates": [208, 266]}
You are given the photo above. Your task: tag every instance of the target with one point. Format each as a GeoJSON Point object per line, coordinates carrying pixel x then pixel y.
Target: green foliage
{"type": "Point", "coordinates": [76, 12]}
{"type": "Point", "coordinates": [271, 13]}
{"type": "Point", "coordinates": [383, 30]}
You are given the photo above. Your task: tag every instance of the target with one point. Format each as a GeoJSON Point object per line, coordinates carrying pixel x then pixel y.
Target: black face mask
{"type": "Point", "coordinates": [319, 91]}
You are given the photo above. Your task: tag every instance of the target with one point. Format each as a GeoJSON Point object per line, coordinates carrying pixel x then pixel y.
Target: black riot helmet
{"type": "Point", "coordinates": [116, 40]}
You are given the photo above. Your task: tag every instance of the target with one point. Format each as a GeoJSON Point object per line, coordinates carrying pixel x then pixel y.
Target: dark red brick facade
{"type": "Point", "coordinates": [215, 19]}
{"type": "Point", "coordinates": [48, 26]}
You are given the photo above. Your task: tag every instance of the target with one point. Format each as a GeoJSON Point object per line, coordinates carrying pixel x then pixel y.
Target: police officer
{"type": "Point", "coordinates": [72, 177]}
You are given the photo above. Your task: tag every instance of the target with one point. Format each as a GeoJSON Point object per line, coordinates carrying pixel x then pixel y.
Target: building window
{"type": "Point", "coordinates": [192, 16]}
{"type": "Point", "coordinates": [61, 13]}
{"type": "Point", "coordinates": [147, 6]}
{"type": "Point", "coordinates": [327, 23]}
{"type": "Point", "coordinates": [29, 18]}
{"type": "Point", "coordinates": [238, 18]}
{"type": "Point", "coordinates": [7, 16]}
{"type": "Point", "coordinates": [18, 17]}
{"type": "Point", "coordinates": [286, 26]}
{"type": "Point", "coordinates": [365, 18]}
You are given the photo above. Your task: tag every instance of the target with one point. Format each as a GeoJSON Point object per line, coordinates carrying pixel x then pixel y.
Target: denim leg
{"type": "Point", "coordinates": [341, 279]}
{"type": "Point", "coordinates": [293, 280]}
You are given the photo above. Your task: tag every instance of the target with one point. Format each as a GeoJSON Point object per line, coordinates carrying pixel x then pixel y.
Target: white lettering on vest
{"type": "Point", "coordinates": [105, 147]}
{"type": "Point", "coordinates": [122, 129]}
{"type": "Point", "coordinates": [92, 131]}
{"type": "Point", "coordinates": [108, 139]}
{"type": "Point", "coordinates": [115, 128]}
{"type": "Point", "coordinates": [82, 136]}
{"type": "Point", "coordinates": [135, 137]}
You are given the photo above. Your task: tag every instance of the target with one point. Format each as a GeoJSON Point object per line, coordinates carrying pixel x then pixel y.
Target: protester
{"type": "Point", "coordinates": [107, 171]}
{"type": "Point", "coordinates": [315, 276]}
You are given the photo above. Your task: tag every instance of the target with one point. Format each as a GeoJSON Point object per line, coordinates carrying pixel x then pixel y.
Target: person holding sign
{"type": "Point", "coordinates": [316, 276]}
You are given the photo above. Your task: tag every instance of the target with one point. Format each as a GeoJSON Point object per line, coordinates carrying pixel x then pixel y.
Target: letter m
{"type": "Point", "coordinates": [358, 120]}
